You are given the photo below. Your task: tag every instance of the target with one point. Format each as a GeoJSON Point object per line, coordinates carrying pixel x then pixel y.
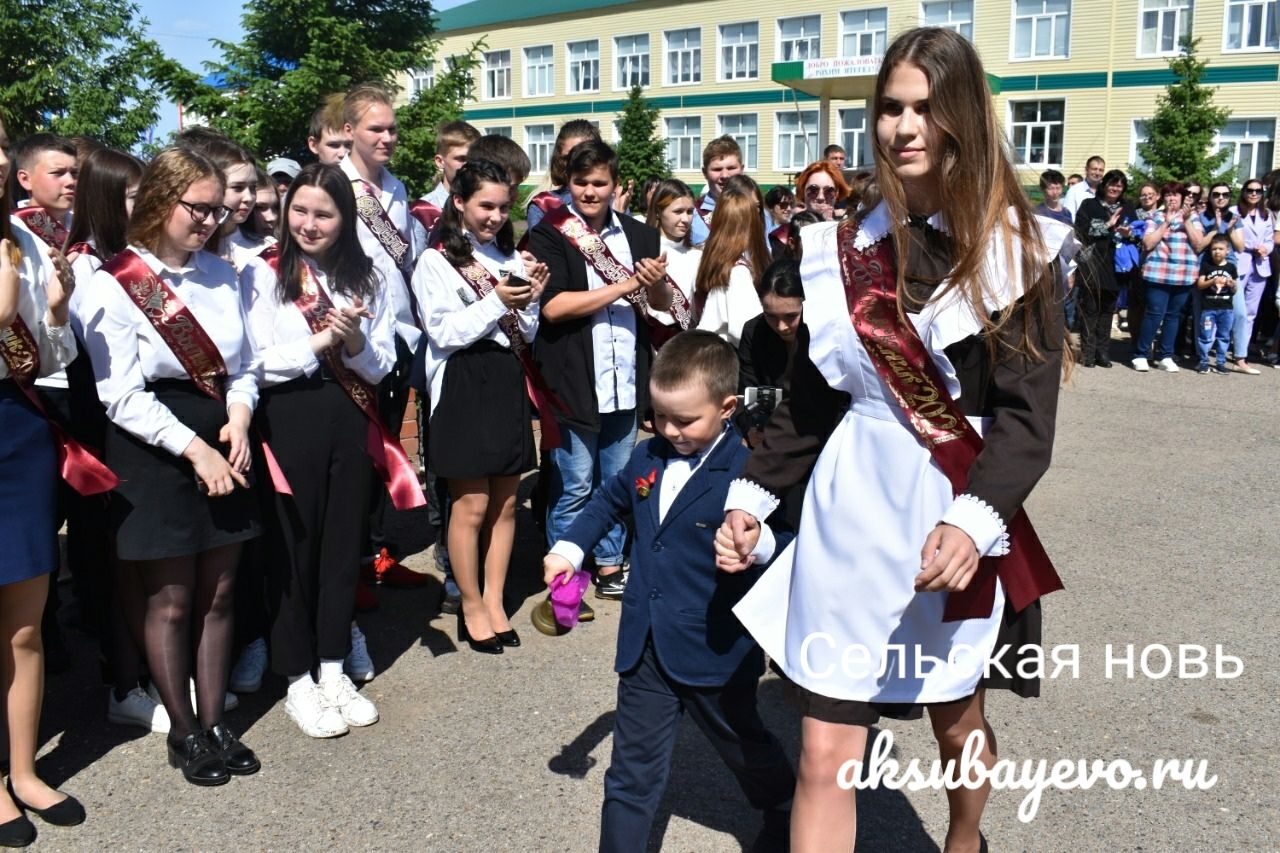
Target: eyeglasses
{"type": "Point", "coordinates": [1221, 195]}
{"type": "Point", "coordinates": [1253, 190]}
{"type": "Point", "coordinates": [823, 193]}
{"type": "Point", "coordinates": [201, 212]}
{"type": "Point", "coordinates": [785, 205]}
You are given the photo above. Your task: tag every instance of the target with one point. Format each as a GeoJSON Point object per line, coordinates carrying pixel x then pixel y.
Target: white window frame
{"type": "Point", "coordinates": [1255, 171]}
{"type": "Point", "coordinates": [856, 141]}
{"type": "Point", "coordinates": [534, 70]}
{"type": "Point", "coordinates": [540, 151]}
{"type": "Point", "coordinates": [1040, 123]}
{"type": "Point", "coordinates": [497, 77]}
{"type": "Point", "coordinates": [694, 148]}
{"type": "Point", "coordinates": [805, 129]}
{"type": "Point", "coordinates": [748, 140]}
{"type": "Point", "coordinates": [500, 130]}
{"type": "Point", "coordinates": [422, 78]}
{"type": "Point", "coordinates": [956, 18]}
{"type": "Point", "coordinates": [645, 70]}
{"type": "Point", "coordinates": [1054, 23]}
{"type": "Point", "coordinates": [750, 48]}
{"type": "Point", "coordinates": [1137, 136]}
{"type": "Point", "coordinates": [695, 58]}
{"type": "Point", "coordinates": [572, 64]}
{"type": "Point", "coordinates": [1183, 12]}
{"type": "Point", "coordinates": [1270, 11]}
{"type": "Point", "coordinates": [879, 36]}
{"type": "Point", "coordinates": [812, 40]}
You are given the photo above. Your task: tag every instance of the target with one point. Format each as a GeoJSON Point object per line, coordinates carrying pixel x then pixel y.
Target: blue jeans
{"type": "Point", "coordinates": [1069, 308]}
{"type": "Point", "coordinates": [1164, 315]}
{"type": "Point", "coordinates": [583, 461]}
{"type": "Point", "coordinates": [1214, 327]}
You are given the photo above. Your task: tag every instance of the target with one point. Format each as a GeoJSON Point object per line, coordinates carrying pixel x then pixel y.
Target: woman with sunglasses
{"type": "Point", "coordinates": [1257, 229]}
{"type": "Point", "coordinates": [165, 331]}
{"type": "Point", "coordinates": [820, 187]}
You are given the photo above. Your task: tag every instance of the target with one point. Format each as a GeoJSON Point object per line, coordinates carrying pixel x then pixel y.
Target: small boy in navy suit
{"type": "Point", "coordinates": [680, 648]}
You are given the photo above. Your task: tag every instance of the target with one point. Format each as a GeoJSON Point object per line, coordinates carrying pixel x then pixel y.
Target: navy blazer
{"type": "Point", "coordinates": [675, 590]}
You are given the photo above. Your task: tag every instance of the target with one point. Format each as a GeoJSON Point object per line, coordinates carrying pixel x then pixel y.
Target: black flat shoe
{"type": "Point", "coordinates": [68, 812]}
{"type": "Point", "coordinates": [1104, 362]}
{"type": "Point", "coordinates": [201, 762]}
{"type": "Point", "coordinates": [238, 758]}
{"type": "Point", "coordinates": [510, 639]}
{"type": "Point", "coordinates": [490, 646]}
{"type": "Point", "coordinates": [19, 832]}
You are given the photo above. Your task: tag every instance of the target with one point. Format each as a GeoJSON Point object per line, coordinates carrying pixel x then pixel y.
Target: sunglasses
{"type": "Point", "coordinates": [1221, 195]}
{"type": "Point", "coordinates": [201, 212]}
{"type": "Point", "coordinates": [823, 193]}
{"type": "Point", "coordinates": [1253, 190]}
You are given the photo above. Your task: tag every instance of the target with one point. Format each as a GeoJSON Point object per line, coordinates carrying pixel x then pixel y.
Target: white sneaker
{"type": "Point", "coordinates": [137, 709]}
{"type": "Point", "coordinates": [1167, 365]}
{"type": "Point", "coordinates": [1140, 365]}
{"type": "Point", "coordinates": [308, 708]}
{"type": "Point", "coordinates": [355, 709]}
{"type": "Point", "coordinates": [246, 676]}
{"type": "Point", "coordinates": [230, 703]}
{"type": "Point", "coordinates": [358, 664]}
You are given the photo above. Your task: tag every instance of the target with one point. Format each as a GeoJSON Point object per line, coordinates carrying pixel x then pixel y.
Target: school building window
{"type": "Point", "coordinates": [497, 75]}
{"type": "Point", "coordinates": [853, 137]}
{"type": "Point", "coordinates": [539, 71]}
{"type": "Point", "coordinates": [1037, 131]}
{"type": "Point", "coordinates": [797, 144]}
{"type": "Point", "coordinates": [1163, 24]}
{"type": "Point", "coordinates": [421, 79]}
{"type": "Point", "coordinates": [500, 130]}
{"type": "Point", "coordinates": [584, 66]}
{"type": "Point", "coordinates": [1250, 143]}
{"type": "Point", "coordinates": [864, 32]}
{"type": "Point", "coordinates": [1041, 29]}
{"type": "Point", "coordinates": [539, 143]}
{"type": "Point", "coordinates": [684, 143]}
{"type": "Point", "coordinates": [1253, 24]}
{"type": "Point", "coordinates": [739, 51]}
{"type": "Point", "coordinates": [1137, 136]}
{"type": "Point", "coordinates": [631, 53]}
{"type": "Point", "coordinates": [953, 14]}
{"type": "Point", "coordinates": [745, 130]}
{"type": "Point", "coordinates": [799, 38]}
{"type": "Point", "coordinates": [684, 56]}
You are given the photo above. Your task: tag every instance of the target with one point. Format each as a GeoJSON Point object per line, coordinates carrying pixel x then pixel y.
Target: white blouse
{"type": "Point", "coordinates": [455, 317]}
{"type": "Point", "coordinates": [244, 249]}
{"type": "Point", "coordinates": [282, 339]}
{"type": "Point", "coordinates": [55, 344]}
{"type": "Point", "coordinates": [682, 268]}
{"type": "Point", "coordinates": [729, 308]}
{"type": "Point", "coordinates": [127, 352]}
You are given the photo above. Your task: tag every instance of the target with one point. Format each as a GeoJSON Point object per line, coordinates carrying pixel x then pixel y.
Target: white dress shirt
{"type": "Point", "coordinates": [1075, 197]}
{"type": "Point", "coordinates": [457, 317]}
{"type": "Point", "coordinates": [395, 201]}
{"type": "Point", "coordinates": [127, 352]}
{"type": "Point", "coordinates": [55, 344]}
{"type": "Point", "coordinates": [282, 338]}
{"type": "Point", "coordinates": [682, 269]}
{"type": "Point", "coordinates": [37, 267]}
{"type": "Point", "coordinates": [613, 329]}
{"type": "Point", "coordinates": [242, 249]}
{"type": "Point", "coordinates": [729, 308]}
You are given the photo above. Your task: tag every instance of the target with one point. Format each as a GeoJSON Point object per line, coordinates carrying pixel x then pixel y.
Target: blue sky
{"type": "Point", "coordinates": [184, 31]}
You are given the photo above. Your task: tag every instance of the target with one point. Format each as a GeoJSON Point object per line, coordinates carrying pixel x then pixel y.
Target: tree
{"type": "Point", "coordinates": [1180, 134]}
{"type": "Point", "coordinates": [414, 161]}
{"type": "Point", "coordinates": [78, 68]}
{"type": "Point", "coordinates": [642, 153]}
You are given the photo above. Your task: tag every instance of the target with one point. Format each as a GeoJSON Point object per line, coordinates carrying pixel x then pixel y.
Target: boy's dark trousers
{"type": "Point", "coordinates": [650, 704]}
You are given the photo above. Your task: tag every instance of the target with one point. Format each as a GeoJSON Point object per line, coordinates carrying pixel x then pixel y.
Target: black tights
{"type": "Point", "coordinates": [189, 600]}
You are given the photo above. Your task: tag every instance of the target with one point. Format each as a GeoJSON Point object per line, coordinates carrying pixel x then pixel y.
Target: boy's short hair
{"type": "Point", "coordinates": [1220, 238]}
{"type": "Point", "coordinates": [697, 356]}
{"type": "Point", "coordinates": [505, 153]}
{"type": "Point", "coordinates": [590, 153]}
{"type": "Point", "coordinates": [1096, 158]}
{"type": "Point", "coordinates": [28, 149]}
{"type": "Point", "coordinates": [328, 116]}
{"type": "Point", "coordinates": [721, 146]}
{"type": "Point", "coordinates": [454, 134]}
{"type": "Point", "coordinates": [832, 149]}
{"type": "Point", "coordinates": [1049, 177]}
{"type": "Point", "coordinates": [360, 99]}
{"type": "Point", "coordinates": [1075, 176]}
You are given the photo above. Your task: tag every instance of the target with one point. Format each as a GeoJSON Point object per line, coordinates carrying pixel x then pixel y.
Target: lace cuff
{"type": "Point", "coordinates": [983, 524]}
{"type": "Point", "coordinates": [751, 497]}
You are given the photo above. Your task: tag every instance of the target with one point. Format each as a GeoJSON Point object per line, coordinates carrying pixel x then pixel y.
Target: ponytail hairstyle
{"type": "Point", "coordinates": [349, 269]}
{"type": "Point", "coordinates": [665, 193]}
{"type": "Point", "coordinates": [738, 235]}
{"type": "Point", "coordinates": [99, 215]}
{"type": "Point", "coordinates": [467, 181]}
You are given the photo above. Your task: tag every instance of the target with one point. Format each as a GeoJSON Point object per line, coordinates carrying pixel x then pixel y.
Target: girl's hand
{"type": "Point", "coordinates": [556, 571]}
{"type": "Point", "coordinates": [727, 559]}
{"type": "Point", "coordinates": [514, 296]}
{"type": "Point", "coordinates": [236, 434]}
{"type": "Point", "coordinates": [213, 469]}
{"type": "Point", "coordinates": [622, 197]}
{"type": "Point", "coordinates": [536, 272]}
{"type": "Point", "coordinates": [59, 288]}
{"type": "Point", "coordinates": [948, 560]}
{"type": "Point", "coordinates": [742, 530]}
{"type": "Point", "coordinates": [9, 283]}
{"type": "Point", "coordinates": [355, 339]}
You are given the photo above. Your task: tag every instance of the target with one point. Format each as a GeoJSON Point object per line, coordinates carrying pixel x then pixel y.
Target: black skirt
{"type": "Point", "coordinates": [158, 510]}
{"type": "Point", "coordinates": [28, 483]}
{"type": "Point", "coordinates": [480, 426]}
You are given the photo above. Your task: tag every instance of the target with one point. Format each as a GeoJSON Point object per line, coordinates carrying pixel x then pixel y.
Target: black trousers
{"type": "Point", "coordinates": [393, 402]}
{"type": "Point", "coordinates": [319, 437]}
{"type": "Point", "coordinates": [650, 704]}
{"type": "Point", "coordinates": [1094, 312]}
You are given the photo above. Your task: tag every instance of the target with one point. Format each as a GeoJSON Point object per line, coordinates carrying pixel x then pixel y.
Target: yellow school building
{"type": "Point", "coordinates": [1071, 78]}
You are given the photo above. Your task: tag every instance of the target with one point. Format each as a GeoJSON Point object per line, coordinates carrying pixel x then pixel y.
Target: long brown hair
{"type": "Point", "coordinates": [738, 234]}
{"type": "Point", "coordinates": [104, 181]}
{"type": "Point", "coordinates": [666, 193]}
{"type": "Point", "coordinates": [6, 228]}
{"type": "Point", "coordinates": [978, 188]}
{"type": "Point", "coordinates": [164, 182]}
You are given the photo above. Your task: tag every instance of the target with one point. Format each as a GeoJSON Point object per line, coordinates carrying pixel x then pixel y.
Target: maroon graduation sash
{"type": "Point", "coordinates": [704, 216]}
{"type": "Point", "coordinates": [546, 201]}
{"type": "Point", "coordinates": [43, 225]}
{"type": "Point", "coordinates": [425, 212]}
{"type": "Point", "coordinates": [384, 448]}
{"type": "Point", "coordinates": [544, 399]}
{"type": "Point", "coordinates": [76, 463]}
{"type": "Point", "coordinates": [82, 249]}
{"type": "Point", "coordinates": [907, 369]}
{"type": "Point", "coordinates": [594, 251]}
{"type": "Point", "coordinates": [371, 212]}
{"type": "Point", "coordinates": [183, 335]}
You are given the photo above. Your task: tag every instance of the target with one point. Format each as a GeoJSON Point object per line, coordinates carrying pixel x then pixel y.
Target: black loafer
{"type": "Point", "coordinates": [238, 758]}
{"type": "Point", "coordinates": [19, 832]}
{"type": "Point", "coordinates": [510, 639]}
{"type": "Point", "coordinates": [68, 812]}
{"type": "Point", "coordinates": [201, 761]}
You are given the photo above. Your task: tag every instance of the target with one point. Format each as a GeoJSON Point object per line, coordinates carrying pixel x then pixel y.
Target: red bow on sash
{"type": "Point", "coordinates": [905, 366]}
{"type": "Point", "coordinates": [183, 335]}
{"type": "Point", "coordinates": [425, 212]}
{"type": "Point", "coordinates": [546, 202]}
{"type": "Point", "coordinates": [44, 226]}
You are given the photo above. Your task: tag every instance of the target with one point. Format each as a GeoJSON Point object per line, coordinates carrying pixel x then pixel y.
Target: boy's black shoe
{"type": "Point", "coordinates": [1204, 368]}
{"type": "Point", "coordinates": [1221, 369]}
{"type": "Point", "coordinates": [611, 587]}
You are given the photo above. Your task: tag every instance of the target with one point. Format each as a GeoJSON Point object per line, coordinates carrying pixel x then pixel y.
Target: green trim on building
{"type": "Point", "coordinates": [787, 71]}
{"type": "Point", "coordinates": [481, 13]}
{"type": "Point", "coordinates": [763, 97]}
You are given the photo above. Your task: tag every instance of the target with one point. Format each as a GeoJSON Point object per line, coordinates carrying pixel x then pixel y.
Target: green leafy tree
{"type": "Point", "coordinates": [642, 152]}
{"type": "Point", "coordinates": [1179, 144]}
{"type": "Point", "coordinates": [414, 161]}
{"type": "Point", "coordinates": [78, 68]}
